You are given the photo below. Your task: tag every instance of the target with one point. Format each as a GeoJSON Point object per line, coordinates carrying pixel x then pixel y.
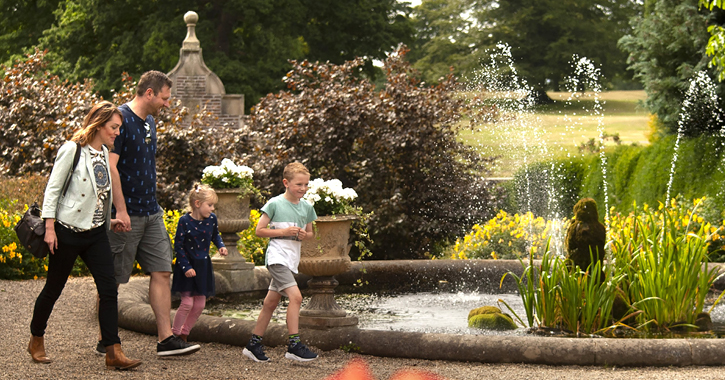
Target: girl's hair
{"type": "Point", "coordinates": [99, 115]}
{"type": "Point", "coordinates": [294, 168]}
{"type": "Point", "coordinates": [201, 193]}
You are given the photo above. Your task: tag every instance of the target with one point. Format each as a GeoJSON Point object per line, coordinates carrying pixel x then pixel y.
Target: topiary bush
{"type": "Point", "coordinates": [635, 173]}
{"type": "Point", "coordinates": [396, 147]}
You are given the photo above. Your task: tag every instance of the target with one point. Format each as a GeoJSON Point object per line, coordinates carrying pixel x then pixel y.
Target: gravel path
{"type": "Point", "coordinates": [72, 335]}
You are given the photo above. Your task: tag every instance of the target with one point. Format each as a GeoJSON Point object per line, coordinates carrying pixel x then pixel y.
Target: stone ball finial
{"type": "Point", "coordinates": [191, 17]}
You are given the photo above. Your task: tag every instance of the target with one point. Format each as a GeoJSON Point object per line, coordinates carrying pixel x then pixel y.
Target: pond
{"type": "Point", "coordinates": [430, 312]}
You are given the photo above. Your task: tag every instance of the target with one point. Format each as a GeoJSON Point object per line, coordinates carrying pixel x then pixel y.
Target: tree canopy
{"type": "Point", "coordinates": [543, 34]}
{"type": "Point", "coordinates": [666, 50]}
{"type": "Point", "coordinates": [247, 43]}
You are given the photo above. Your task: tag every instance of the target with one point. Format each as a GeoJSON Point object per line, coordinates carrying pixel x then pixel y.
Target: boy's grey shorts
{"type": "Point", "coordinates": [147, 242]}
{"type": "Point", "coordinates": [282, 278]}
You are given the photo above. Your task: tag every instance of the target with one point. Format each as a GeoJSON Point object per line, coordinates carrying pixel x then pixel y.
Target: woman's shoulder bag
{"type": "Point", "coordinates": [31, 228]}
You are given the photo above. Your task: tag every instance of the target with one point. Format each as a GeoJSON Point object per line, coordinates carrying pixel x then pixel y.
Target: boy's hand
{"type": "Point", "coordinates": [291, 231]}
{"type": "Point", "coordinates": [301, 235]}
{"type": "Point", "coordinates": [190, 273]}
{"type": "Point", "coordinates": [223, 251]}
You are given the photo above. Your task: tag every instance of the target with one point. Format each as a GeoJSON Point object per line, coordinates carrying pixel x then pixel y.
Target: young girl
{"type": "Point", "coordinates": [193, 274]}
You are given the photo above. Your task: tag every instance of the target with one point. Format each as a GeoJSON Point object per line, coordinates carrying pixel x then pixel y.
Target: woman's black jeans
{"type": "Point", "coordinates": [93, 247]}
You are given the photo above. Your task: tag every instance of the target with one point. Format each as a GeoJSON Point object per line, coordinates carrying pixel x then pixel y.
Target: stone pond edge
{"type": "Point", "coordinates": [135, 314]}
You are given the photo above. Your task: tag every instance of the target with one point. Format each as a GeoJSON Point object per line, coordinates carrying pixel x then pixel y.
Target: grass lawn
{"type": "Point", "coordinates": [558, 129]}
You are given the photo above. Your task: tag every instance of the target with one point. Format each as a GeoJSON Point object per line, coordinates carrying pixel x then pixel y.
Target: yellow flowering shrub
{"type": "Point", "coordinates": [251, 246]}
{"type": "Point", "coordinates": [15, 262]}
{"type": "Point", "coordinates": [683, 217]}
{"type": "Point", "coordinates": [507, 237]}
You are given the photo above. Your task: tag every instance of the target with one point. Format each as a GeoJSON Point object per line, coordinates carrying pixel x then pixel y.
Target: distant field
{"type": "Point", "coordinates": [559, 128]}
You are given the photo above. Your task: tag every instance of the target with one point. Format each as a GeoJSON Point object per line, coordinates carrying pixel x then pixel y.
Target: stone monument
{"type": "Point", "coordinates": [197, 86]}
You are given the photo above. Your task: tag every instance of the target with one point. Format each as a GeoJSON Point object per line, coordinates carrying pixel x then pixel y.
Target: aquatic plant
{"type": "Point", "coordinates": [663, 254]}
{"type": "Point", "coordinates": [658, 266]}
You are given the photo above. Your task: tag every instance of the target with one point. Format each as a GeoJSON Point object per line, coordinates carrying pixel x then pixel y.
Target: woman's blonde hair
{"type": "Point", "coordinates": [99, 115]}
{"type": "Point", "coordinates": [201, 193]}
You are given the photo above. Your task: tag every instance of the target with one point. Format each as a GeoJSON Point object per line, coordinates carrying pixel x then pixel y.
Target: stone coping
{"type": "Point", "coordinates": [135, 314]}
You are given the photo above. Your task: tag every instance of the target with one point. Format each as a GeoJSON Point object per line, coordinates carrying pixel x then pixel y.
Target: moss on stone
{"type": "Point", "coordinates": [494, 321]}
{"type": "Point", "coordinates": [483, 310]}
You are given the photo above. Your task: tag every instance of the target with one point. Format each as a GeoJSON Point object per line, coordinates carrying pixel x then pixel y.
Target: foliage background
{"type": "Point", "coordinates": [396, 147]}
{"type": "Point", "coordinates": [246, 42]}
{"type": "Point", "coordinates": [666, 49]}
{"type": "Point", "coordinates": [635, 174]}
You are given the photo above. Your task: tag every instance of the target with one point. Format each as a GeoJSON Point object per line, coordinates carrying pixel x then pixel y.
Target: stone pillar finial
{"type": "Point", "coordinates": [191, 42]}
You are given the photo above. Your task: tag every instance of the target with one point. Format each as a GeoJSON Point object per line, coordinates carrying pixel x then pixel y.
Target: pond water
{"type": "Point", "coordinates": [416, 312]}
{"type": "Point", "coordinates": [438, 312]}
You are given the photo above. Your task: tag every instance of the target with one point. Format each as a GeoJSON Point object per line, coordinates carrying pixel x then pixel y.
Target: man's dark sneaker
{"type": "Point", "coordinates": [300, 352]}
{"type": "Point", "coordinates": [100, 349]}
{"type": "Point", "coordinates": [255, 352]}
{"type": "Point", "coordinates": [173, 345]}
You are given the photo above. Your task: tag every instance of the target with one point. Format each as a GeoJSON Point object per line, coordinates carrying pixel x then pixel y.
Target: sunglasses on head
{"type": "Point", "coordinates": [147, 139]}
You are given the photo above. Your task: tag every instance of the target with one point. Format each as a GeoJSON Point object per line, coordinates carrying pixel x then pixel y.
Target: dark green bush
{"type": "Point", "coordinates": [666, 50]}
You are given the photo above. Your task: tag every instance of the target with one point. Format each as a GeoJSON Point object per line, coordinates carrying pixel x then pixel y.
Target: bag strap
{"type": "Point", "coordinates": [76, 158]}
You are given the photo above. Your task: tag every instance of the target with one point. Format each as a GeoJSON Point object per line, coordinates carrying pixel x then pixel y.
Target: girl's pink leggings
{"type": "Point", "coordinates": [189, 311]}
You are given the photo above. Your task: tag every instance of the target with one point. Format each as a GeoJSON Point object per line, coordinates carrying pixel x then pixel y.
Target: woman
{"type": "Point", "coordinates": [75, 224]}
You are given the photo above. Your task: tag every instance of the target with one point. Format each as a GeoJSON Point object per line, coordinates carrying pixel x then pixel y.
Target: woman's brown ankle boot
{"type": "Point", "coordinates": [36, 348]}
{"type": "Point", "coordinates": [185, 338]}
{"type": "Point", "coordinates": [116, 359]}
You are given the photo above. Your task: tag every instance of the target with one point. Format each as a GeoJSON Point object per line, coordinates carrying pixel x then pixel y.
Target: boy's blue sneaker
{"type": "Point", "coordinates": [173, 345]}
{"type": "Point", "coordinates": [100, 349]}
{"type": "Point", "coordinates": [255, 352]}
{"type": "Point", "coordinates": [300, 352]}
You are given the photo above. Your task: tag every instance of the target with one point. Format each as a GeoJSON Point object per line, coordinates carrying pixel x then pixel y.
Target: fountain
{"type": "Point", "coordinates": [703, 89]}
{"type": "Point", "coordinates": [438, 277]}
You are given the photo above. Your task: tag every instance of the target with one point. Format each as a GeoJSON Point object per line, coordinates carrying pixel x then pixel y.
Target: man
{"type": "Point", "coordinates": [133, 172]}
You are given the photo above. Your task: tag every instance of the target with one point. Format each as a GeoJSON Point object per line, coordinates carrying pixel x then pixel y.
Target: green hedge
{"type": "Point", "coordinates": [547, 188]}
{"type": "Point", "coordinates": [634, 173]}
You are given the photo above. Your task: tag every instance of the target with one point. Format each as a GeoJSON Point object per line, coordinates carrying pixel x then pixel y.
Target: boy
{"type": "Point", "coordinates": [287, 220]}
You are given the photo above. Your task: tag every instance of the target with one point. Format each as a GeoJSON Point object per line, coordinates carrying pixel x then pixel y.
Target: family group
{"type": "Point", "coordinates": [100, 204]}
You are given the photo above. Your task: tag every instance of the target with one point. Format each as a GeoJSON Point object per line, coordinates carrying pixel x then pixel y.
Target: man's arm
{"type": "Point", "coordinates": [119, 201]}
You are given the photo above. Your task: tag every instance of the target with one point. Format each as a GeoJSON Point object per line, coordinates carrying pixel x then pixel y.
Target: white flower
{"type": "Point", "coordinates": [332, 190]}
{"type": "Point", "coordinates": [226, 172]}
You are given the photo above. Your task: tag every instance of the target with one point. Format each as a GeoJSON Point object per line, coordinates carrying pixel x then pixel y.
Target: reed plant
{"type": "Point", "coordinates": [555, 296]}
{"type": "Point", "coordinates": [658, 265]}
{"type": "Point", "coordinates": [664, 255]}
{"type": "Point", "coordinates": [587, 297]}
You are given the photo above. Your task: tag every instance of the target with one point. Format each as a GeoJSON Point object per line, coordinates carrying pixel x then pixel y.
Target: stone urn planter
{"type": "Point", "coordinates": [232, 213]}
{"type": "Point", "coordinates": [322, 258]}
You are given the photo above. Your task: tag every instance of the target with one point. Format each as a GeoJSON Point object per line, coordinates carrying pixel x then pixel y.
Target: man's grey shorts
{"type": "Point", "coordinates": [282, 278]}
{"type": "Point", "coordinates": [147, 242]}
